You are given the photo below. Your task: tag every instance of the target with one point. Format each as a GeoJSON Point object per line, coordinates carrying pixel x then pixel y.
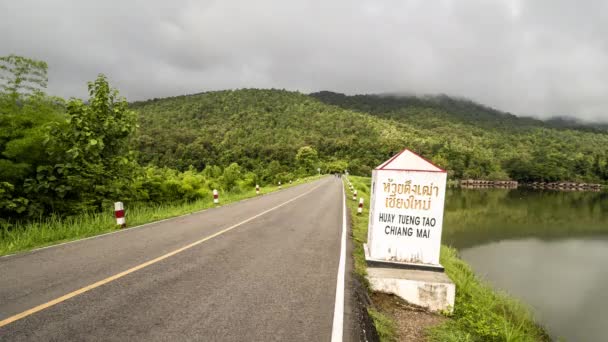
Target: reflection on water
{"type": "Point", "coordinates": [475, 217]}
{"type": "Point", "coordinates": [548, 248]}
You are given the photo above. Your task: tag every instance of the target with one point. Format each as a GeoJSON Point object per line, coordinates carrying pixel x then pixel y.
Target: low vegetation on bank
{"type": "Point", "coordinates": [480, 314]}
{"type": "Point", "coordinates": [56, 229]}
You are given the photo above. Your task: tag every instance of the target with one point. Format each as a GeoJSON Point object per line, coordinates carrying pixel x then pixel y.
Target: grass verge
{"type": "Point", "coordinates": [480, 312]}
{"type": "Point", "coordinates": [54, 229]}
{"type": "Point", "coordinates": [385, 325]}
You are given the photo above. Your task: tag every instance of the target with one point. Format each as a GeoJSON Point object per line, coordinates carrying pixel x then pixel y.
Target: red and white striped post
{"type": "Point", "coordinates": [119, 213]}
{"type": "Point", "coordinates": [360, 209]}
{"type": "Point", "coordinates": [257, 189]}
{"type": "Point", "coordinates": [355, 195]}
{"type": "Point", "coordinates": [216, 197]}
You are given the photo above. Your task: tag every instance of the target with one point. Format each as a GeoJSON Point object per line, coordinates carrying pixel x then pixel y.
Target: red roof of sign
{"type": "Point", "coordinates": [407, 160]}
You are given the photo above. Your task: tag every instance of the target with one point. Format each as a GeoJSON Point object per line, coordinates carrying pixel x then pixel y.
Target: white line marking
{"type": "Point", "coordinates": [138, 267]}
{"type": "Point", "coordinates": [337, 330]}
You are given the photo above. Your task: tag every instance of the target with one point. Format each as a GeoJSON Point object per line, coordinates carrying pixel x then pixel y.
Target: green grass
{"type": "Point", "coordinates": [54, 229]}
{"type": "Point", "coordinates": [359, 222]}
{"type": "Point", "coordinates": [385, 326]}
{"type": "Point", "coordinates": [480, 312]}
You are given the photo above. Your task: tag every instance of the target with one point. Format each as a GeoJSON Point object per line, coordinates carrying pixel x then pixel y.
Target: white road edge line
{"type": "Point", "coordinates": [145, 224]}
{"type": "Point", "coordinates": [337, 330]}
{"type": "Point", "coordinates": [75, 293]}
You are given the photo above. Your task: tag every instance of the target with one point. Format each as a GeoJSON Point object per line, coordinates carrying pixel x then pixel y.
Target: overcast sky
{"type": "Point", "coordinates": [540, 58]}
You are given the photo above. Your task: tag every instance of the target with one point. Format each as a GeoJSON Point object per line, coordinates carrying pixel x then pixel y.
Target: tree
{"type": "Point", "coordinates": [598, 170]}
{"type": "Point", "coordinates": [336, 166]}
{"type": "Point", "coordinates": [21, 75]}
{"type": "Point", "coordinates": [307, 158]}
{"type": "Point", "coordinates": [25, 113]}
{"type": "Point", "coordinates": [231, 175]}
{"type": "Point", "coordinates": [9, 203]}
{"type": "Point", "coordinates": [93, 163]}
{"type": "Point", "coordinates": [212, 171]}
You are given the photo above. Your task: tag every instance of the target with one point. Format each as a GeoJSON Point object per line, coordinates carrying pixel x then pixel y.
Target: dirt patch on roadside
{"type": "Point", "coordinates": [411, 321]}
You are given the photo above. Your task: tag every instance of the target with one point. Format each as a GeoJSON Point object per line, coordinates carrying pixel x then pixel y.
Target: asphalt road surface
{"type": "Point", "coordinates": [263, 269]}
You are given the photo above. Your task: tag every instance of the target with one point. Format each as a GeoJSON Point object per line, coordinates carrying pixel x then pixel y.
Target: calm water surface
{"type": "Point", "coordinates": [550, 249]}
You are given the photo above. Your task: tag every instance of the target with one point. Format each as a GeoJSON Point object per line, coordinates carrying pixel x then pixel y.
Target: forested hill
{"type": "Point", "coordinates": [262, 130]}
{"type": "Point", "coordinates": [447, 108]}
{"type": "Point", "coordinates": [65, 157]}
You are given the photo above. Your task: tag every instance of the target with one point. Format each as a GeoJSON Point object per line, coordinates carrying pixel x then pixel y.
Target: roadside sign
{"type": "Point", "coordinates": [406, 211]}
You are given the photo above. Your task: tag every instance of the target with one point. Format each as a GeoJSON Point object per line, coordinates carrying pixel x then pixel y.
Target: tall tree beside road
{"type": "Point", "coordinates": [25, 113]}
{"type": "Point", "coordinates": [92, 159]}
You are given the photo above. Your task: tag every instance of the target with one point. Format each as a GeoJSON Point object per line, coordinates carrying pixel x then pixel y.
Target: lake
{"type": "Point", "coordinates": [547, 248]}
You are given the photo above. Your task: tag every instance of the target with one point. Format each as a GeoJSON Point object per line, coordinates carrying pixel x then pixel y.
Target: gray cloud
{"type": "Point", "coordinates": [541, 57]}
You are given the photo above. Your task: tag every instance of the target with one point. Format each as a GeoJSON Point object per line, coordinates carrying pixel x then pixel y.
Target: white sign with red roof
{"type": "Point", "coordinates": [406, 211]}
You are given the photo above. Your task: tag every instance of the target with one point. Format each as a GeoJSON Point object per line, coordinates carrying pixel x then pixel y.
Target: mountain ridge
{"type": "Point", "coordinates": [257, 127]}
{"type": "Point", "coordinates": [463, 108]}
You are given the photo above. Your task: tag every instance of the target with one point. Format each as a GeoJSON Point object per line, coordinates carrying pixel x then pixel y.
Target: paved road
{"type": "Point", "coordinates": [270, 278]}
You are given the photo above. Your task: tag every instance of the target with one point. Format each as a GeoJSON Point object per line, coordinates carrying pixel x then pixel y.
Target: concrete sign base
{"type": "Point", "coordinates": [429, 289]}
{"type": "Point", "coordinates": [424, 285]}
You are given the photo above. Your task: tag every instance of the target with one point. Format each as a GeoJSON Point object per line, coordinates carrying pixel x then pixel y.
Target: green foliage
{"type": "Point", "coordinates": [167, 185]}
{"type": "Point", "coordinates": [264, 130]}
{"type": "Point", "coordinates": [261, 130]}
{"type": "Point", "coordinates": [19, 75]}
{"type": "Point", "coordinates": [212, 171]}
{"type": "Point", "coordinates": [384, 325]}
{"type": "Point", "coordinates": [9, 202]}
{"type": "Point", "coordinates": [25, 114]}
{"type": "Point", "coordinates": [359, 223]}
{"type": "Point", "coordinates": [51, 229]}
{"type": "Point", "coordinates": [90, 159]}
{"type": "Point", "coordinates": [307, 159]}
{"type": "Point", "coordinates": [231, 175]}
{"type": "Point", "coordinates": [284, 177]}
{"type": "Point", "coordinates": [67, 158]}
{"type": "Point", "coordinates": [250, 180]}
{"type": "Point", "coordinates": [335, 166]}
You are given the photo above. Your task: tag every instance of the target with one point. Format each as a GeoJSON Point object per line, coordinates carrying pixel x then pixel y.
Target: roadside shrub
{"type": "Point", "coordinates": [284, 177]}
{"type": "Point", "coordinates": [231, 175]}
{"type": "Point", "coordinates": [249, 181]}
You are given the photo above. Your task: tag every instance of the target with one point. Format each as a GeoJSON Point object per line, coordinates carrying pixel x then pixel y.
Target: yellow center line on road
{"type": "Point", "coordinates": [138, 267]}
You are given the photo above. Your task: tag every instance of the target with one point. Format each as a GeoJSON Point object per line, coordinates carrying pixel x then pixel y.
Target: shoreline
{"type": "Point", "coordinates": [480, 312]}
